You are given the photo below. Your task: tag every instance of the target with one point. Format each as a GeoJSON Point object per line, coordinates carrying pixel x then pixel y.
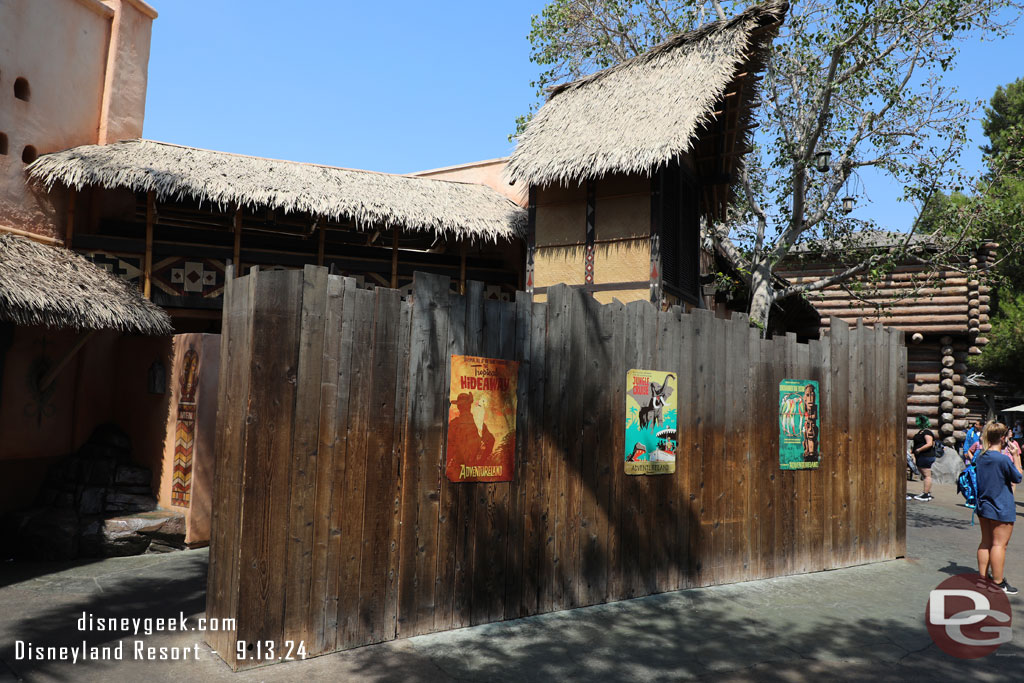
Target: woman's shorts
{"type": "Point", "coordinates": [925, 462]}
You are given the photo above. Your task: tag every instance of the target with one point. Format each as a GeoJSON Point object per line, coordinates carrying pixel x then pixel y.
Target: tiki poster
{"type": "Point", "coordinates": [799, 424]}
{"type": "Point", "coordinates": [650, 422]}
{"type": "Point", "coordinates": [481, 419]}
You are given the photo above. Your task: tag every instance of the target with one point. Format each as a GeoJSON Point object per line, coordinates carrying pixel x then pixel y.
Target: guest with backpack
{"type": "Point", "coordinates": [996, 506]}
{"type": "Point", "coordinates": [925, 451]}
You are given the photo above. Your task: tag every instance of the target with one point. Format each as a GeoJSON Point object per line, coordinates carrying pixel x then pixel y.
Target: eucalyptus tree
{"type": "Point", "coordinates": [859, 79]}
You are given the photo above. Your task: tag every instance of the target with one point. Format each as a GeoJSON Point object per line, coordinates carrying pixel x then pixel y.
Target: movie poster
{"type": "Point", "coordinates": [481, 419]}
{"type": "Point", "coordinates": [799, 424]}
{"type": "Point", "coordinates": [650, 422]}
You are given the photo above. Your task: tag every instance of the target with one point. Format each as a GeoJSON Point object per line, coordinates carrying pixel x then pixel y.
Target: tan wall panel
{"type": "Point", "coordinates": [618, 217]}
{"type": "Point", "coordinates": [562, 223]}
{"type": "Point", "coordinates": [622, 262]}
{"type": "Point", "coordinates": [555, 265]}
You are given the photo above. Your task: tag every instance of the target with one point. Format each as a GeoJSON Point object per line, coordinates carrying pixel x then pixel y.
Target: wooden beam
{"type": "Point", "coordinates": [147, 268]}
{"type": "Point", "coordinates": [51, 375]}
{"type": "Point", "coordinates": [320, 247]}
{"type": "Point", "coordinates": [31, 235]}
{"type": "Point", "coordinates": [69, 224]}
{"type": "Point", "coordinates": [394, 258]}
{"type": "Point", "coordinates": [237, 253]}
{"type": "Point", "coordinates": [462, 267]}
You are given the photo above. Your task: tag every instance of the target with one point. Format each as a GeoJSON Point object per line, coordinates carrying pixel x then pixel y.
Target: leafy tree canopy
{"type": "Point", "coordinates": [862, 78]}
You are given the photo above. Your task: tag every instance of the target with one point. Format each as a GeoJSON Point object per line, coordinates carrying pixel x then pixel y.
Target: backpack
{"type": "Point", "coordinates": [967, 486]}
{"type": "Point", "coordinates": [938, 449]}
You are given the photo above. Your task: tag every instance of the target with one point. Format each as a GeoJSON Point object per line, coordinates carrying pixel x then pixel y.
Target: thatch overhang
{"type": "Point", "coordinates": [642, 113]}
{"type": "Point", "coordinates": [55, 287]}
{"type": "Point", "coordinates": [367, 199]}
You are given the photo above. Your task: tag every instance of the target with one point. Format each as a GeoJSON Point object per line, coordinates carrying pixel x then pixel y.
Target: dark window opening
{"type": "Point", "coordinates": [680, 233]}
{"type": "Point", "coordinates": [3, 143]}
{"type": "Point", "coordinates": [29, 154]}
{"type": "Point", "coordinates": [21, 89]}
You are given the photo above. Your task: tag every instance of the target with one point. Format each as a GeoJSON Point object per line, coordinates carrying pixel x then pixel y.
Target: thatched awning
{"type": "Point", "coordinates": [367, 198]}
{"type": "Point", "coordinates": [52, 286]}
{"type": "Point", "coordinates": [644, 112]}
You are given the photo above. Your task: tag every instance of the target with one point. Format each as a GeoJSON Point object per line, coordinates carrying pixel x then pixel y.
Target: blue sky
{"type": "Point", "coordinates": [391, 86]}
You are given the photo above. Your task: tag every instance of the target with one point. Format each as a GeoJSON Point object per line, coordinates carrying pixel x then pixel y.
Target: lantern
{"type": "Point", "coordinates": [848, 203]}
{"type": "Point", "coordinates": [821, 160]}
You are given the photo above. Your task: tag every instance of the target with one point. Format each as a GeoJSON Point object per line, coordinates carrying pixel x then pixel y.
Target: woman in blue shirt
{"type": "Point", "coordinates": [996, 506]}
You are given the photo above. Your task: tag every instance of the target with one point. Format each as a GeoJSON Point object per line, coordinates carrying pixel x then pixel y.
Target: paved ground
{"type": "Point", "coordinates": [851, 624]}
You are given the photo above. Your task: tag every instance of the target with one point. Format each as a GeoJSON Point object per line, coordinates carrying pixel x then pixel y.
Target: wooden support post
{"type": "Point", "coordinates": [51, 375]}
{"type": "Point", "coordinates": [462, 267]}
{"type": "Point", "coordinates": [394, 258]}
{"type": "Point", "coordinates": [69, 224]}
{"type": "Point", "coordinates": [237, 254]}
{"type": "Point", "coordinates": [147, 268]}
{"type": "Point", "coordinates": [321, 246]}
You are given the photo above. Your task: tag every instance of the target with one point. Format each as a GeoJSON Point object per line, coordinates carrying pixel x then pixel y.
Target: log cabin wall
{"type": "Point", "coordinates": [945, 321]}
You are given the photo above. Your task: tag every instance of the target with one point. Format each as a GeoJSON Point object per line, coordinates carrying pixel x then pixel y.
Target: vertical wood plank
{"type": "Point", "coordinates": [534, 536]}
{"type": "Point", "coordinates": [685, 350]}
{"type": "Point", "coordinates": [803, 531]}
{"type": "Point", "coordinates": [353, 485]}
{"type": "Point", "coordinates": [265, 489]}
{"type": "Point", "coordinates": [448, 528]}
{"type": "Point", "coordinates": [552, 596]}
{"type": "Point", "coordinates": [232, 410]}
{"type": "Point", "coordinates": [898, 389]}
{"type": "Point", "coordinates": [421, 470]}
{"type": "Point", "coordinates": [517, 507]}
{"type": "Point", "coordinates": [700, 497]}
{"type": "Point", "coordinates": [573, 444]}
{"type": "Point", "coordinates": [856, 443]}
{"type": "Point", "coordinates": [594, 473]}
{"type": "Point", "coordinates": [398, 455]}
{"type": "Point", "coordinates": [465, 544]}
{"type": "Point", "coordinates": [381, 468]}
{"type": "Point", "coordinates": [305, 450]}
{"type": "Point", "coordinates": [839, 343]}
{"type": "Point", "coordinates": [613, 451]}
{"type": "Point", "coordinates": [335, 487]}
{"type": "Point", "coordinates": [820, 478]}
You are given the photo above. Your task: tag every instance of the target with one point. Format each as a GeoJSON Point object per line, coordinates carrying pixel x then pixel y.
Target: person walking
{"type": "Point", "coordinates": [996, 507]}
{"type": "Point", "coordinates": [973, 436]}
{"type": "Point", "coordinates": [924, 454]}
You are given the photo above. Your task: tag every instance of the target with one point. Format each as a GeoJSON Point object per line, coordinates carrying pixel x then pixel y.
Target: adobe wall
{"type": "Point", "coordinates": [80, 91]}
{"type": "Point", "coordinates": [198, 449]}
{"type": "Point", "coordinates": [487, 173]}
{"type": "Point", "coordinates": [105, 381]}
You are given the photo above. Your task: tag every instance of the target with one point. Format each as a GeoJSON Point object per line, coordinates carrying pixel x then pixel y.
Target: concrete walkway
{"type": "Point", "coordinates": [852, 624]}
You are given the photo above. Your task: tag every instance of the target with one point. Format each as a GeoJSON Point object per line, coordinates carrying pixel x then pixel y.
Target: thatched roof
{"type": "Point", "coordinates": [367, 198]}
{"type": "Point", "coordinates": [52, 286]}
{"type": "Point", "coordinates": [640, 114]}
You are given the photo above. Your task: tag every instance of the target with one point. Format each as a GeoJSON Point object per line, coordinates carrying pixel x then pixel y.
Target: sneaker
{"type": "Point", "coordinates": [1007, 588]}
{"type": "Point", "coordinates": [923, 496]}
{"type": "Point", "coordinates": [910, 496]}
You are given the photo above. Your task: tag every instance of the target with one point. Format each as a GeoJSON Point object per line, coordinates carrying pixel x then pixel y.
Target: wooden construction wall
{"type": "Point", "coordinates": [334, 524]}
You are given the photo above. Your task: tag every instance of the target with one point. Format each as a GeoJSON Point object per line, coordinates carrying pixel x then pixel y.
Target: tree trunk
{"type": "Point", "coordinates": [762, 295]}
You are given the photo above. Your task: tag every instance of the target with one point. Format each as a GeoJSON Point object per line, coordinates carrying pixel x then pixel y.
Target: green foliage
{"type": "Point", "coordinates": [1003, 357]}
{"type": "Point", "coordinates": [1004, 119]}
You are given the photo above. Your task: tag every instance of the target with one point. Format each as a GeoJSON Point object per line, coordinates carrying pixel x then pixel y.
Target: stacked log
{"type": "Point", "coordinates": [946, 320]}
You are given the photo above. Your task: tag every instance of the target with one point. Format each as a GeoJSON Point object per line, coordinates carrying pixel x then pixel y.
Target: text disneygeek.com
{"type": "Point", "coordinates": [132, 649]}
